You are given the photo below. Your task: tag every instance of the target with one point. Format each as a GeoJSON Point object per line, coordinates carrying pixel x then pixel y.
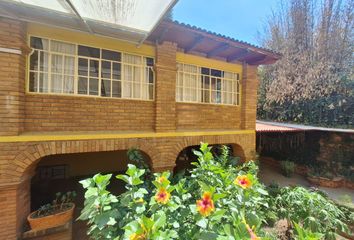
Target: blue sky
{"type": "Point", "coordinates": [240, 19]}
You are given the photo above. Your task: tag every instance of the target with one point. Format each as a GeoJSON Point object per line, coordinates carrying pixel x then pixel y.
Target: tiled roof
{"type": "Point", "coordinates": [225, 37]}
{"type": "Point", "coordinates": [261, 127]}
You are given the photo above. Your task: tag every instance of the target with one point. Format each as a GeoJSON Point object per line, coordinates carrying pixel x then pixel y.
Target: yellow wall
{"type": "Point", "coordinates": [88, 39]}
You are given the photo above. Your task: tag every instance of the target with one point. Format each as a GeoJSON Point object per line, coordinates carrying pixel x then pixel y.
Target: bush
{"type": "Point", "coordinates": [288, 168]}
{"type": "Point", "coordinates": [194, 206]}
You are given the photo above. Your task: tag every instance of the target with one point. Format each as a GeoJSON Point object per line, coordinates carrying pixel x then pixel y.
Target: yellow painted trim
{"type": "Point", "coordinates": [208, 62]}
{"type": "Point", "coordinates": [72, 137]}
{"type": "Point", "coordinates": [44, 31]}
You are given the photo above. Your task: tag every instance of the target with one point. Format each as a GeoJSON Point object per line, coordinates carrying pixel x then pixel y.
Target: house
{"type": "Point", "coordinates": [72, 85]}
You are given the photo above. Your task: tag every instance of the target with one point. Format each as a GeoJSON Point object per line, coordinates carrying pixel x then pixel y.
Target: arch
{"type": "Point", "coordinates": [24, 162]}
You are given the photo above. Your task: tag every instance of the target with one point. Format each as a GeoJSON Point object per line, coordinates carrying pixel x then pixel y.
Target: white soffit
{"type": "Point", "coordinates": [130, 20]}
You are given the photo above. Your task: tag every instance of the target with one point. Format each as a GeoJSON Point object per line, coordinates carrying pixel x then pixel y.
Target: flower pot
{"type": "Point", "coordinates": [50, 221]}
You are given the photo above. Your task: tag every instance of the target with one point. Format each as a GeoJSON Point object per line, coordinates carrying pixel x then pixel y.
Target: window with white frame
{"type": "Point", "coordinates": [207, 85]}
{"type": "Point", "coordinates": [67, 68]}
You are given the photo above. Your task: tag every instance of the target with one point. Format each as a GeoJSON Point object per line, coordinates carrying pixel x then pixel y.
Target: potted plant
{"type": "Point", "coordinates": [288, 168]}
{"type": "Point", "coordinates": [54, 214]}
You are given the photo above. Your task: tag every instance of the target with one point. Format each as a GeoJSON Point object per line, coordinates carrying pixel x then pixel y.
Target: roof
{"type": "Point", "coordinates": [129, 20]}
{"type": "Point", "coordinates": [195, 40]}
{"type": "Point", "coordinates": [265, 126]}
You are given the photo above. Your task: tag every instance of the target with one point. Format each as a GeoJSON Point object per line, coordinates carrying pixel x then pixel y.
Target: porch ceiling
{"type": "Point", "coordinates": [212, 45]}
{"type": "Point", "coordinates": [130, 20]}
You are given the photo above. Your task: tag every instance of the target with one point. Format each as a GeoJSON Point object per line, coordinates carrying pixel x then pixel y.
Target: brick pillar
{"type": "Point", "coordinates": [14, 208]}
{"type": "Point", "coordinates": [12, 76]}
{"type": "Point", "coordinates": [249, 97]}
{"type": "Point", "coordinates": [166, 69]}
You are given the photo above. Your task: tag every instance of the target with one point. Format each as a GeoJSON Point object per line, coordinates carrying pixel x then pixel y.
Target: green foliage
{"type": "Point", "coordinates": [288, 168]}
{"type": "Point", "coordinates": [171, 211]}
{"type": "Point", "coordinates": [215, 192]}
{"type": "Point", "coordinates": [305, 234]}
{"type": "Point", "coordinates": [299, 205]}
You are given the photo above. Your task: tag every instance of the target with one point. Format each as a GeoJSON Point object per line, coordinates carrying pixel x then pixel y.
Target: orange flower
{"type": "Point", "coordinates": [252, 234]}
{"type": "Point", "coordinates": [205, 205]}
{"type": "Point", "coordinates": [135, 236]}
{"type": "Point", "coordinates": [243, 181]}
{"type": "Point", "coordinates": [162, 196]}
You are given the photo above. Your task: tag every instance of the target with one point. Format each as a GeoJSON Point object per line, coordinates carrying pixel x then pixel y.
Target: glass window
{"type": "Point", "coordinates": [67, 68]}
{"type": "Point", "coordinates": [206, 85]}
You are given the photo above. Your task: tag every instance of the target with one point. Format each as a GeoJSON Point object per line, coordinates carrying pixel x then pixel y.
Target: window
{"type": "Point", "coordinates": [206, 85]}
{"type": "Point", "coordinates": [67, 68]}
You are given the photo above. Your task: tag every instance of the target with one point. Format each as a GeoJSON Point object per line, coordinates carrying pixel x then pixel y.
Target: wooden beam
{"type": "Point", "coordinates": [257, 60]}
{"type": "Point", "coordinates": [222, 47]}
{"type": "Point", "coordinates": [194, 44]}
{"type": "Point", "coordinates": [162, 35]}
{"type": "Point", "coordinates": [238, 55]}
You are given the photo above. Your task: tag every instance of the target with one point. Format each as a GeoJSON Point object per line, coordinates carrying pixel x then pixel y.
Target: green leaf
{"type": "Point", "coordinates": [203, 223]}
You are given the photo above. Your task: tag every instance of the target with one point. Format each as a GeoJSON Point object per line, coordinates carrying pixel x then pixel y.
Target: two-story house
{"type": "Point", "coordinates": [67, 91]}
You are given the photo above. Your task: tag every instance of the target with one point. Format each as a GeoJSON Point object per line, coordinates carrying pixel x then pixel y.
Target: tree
{"type": "Point", "coordinates": [313, 82]}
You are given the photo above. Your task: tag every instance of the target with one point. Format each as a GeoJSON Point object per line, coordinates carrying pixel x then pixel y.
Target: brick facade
{"type": "Point", "coordinates": [22, 113]}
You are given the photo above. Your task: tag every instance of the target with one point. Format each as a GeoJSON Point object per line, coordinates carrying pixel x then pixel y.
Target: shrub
{"type": "Point", "coordinates": [190, 209]}
{"type": "Point", "coordinates": [288, 168]}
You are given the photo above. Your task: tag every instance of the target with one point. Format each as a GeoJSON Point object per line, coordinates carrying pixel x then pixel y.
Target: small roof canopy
{"type": "Point", "coordinates": [130, 20]}
{"type": "Point", "coordinates": [194, 40]}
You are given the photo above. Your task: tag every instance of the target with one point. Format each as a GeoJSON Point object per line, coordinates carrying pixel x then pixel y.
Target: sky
{"type": "Point", "coordinates": [240, 19]}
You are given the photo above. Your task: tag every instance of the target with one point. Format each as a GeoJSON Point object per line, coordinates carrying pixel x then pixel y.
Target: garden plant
{"type": "Point", "coordinates": [217, 200]}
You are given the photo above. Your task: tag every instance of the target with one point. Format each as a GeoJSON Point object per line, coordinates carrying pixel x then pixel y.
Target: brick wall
{"type": "Point", "coordinates": [12, 73]}
{"type": "Point", "coordinates": [73, 113]}
{"type": "Point", "coordinates": [207, 116]}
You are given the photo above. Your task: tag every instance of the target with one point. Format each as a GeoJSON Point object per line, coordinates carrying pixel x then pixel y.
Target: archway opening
{"type": "Point", "coordinates": [62, 173]}
{"type": "Point", "coordinates": [186, 156]}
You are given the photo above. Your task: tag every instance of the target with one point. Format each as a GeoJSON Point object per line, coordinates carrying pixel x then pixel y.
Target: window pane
{"type": "Point", "coordinates": [111, 55]}
{"type": "Point", "coordinates": [33, 82]}
{"type": "Point", "coordinates": [83, 67]}
{"type": "Point", "coordinates": [88, 51]}
{"type": "Point", "coordinates": [151, 91]}
{"type": "Point", "coordinates": [151, 75]}
{"type": "Point", "coordinates": [216, 73]}
{"type": "Point", "coordinates": [43, 63]}
{"type": "Point", "coordinates": [106, 69]}
{"type": "Point", "coordinates": [34, 61]}
{"type": "Point", "coordinates": [106, 88]}
{"type": "Point", "coordinates": [116, 89]}
{"type": "Point", "coordinates": [82, 85]}
{"type": "Point", "coordinates": [39, 43]}
{"type": "Point", "coordinates": [149, 62]}
{"type": "Point", "coordinates": [69, 65]}
{"type": "Point", "coordinates": [136, 90]}
{"type": "Point", "coordinates": [62, 47]}
{"type": "Point", "coordinates": [56, 83]}
{"type": "Point", "coordinates": [94, 68]}
{"type": "Point", "coordinates": [127, 86]}
{"type": "Point", "coordinates": [93, 86]}
{"type": "Point", "coordinates": [205, 71]}
{"type": "Point", "coordinates": [68, 85]}
{"type": "Point", "coordinates": [43, 82]}
{"type": "Point", "coordinates": [116, 71]}
{"type": "Point", "coordinates": [57, 63]}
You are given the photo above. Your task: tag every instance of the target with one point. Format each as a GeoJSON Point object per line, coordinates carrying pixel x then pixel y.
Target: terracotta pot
{"type": "Point", "coordinates": [51, 221]}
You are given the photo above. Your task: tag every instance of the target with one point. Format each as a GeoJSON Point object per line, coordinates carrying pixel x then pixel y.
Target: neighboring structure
{"type": "Point", "coordinates": [64, 91]}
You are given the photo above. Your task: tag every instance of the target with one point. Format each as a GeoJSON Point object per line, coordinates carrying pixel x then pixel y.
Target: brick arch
{"type": "Point", "coordinates": [25, 161]}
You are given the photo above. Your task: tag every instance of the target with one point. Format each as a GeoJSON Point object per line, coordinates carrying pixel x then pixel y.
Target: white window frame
{"type": "Point", "coordinates": [181, 86]}
{"type": "Point", "coordinates": [144, 68]}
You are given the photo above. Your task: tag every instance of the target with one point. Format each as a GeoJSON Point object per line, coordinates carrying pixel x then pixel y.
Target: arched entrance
{"type": "Point", "coordinates": [186, 156]}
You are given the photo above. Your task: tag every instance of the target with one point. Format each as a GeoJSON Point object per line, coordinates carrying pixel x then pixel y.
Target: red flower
{"type": "Point", "coordinates": [205, 205]}
{"type": "Point", "coordinates": [243, 181]}
{"type": "Point", "coordinates": [162, 196]}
